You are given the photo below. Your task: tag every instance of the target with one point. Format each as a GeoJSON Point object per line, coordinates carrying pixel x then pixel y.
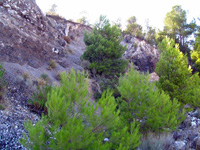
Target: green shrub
{"type": "Point", "coordinates": [142, 101]}
{"type": "Point", "coordinates": [52, 64]}
{"type": "Point", "coordinates": [58, 76]}
{"type": "Point", "coordinates": [2, 71]}
{"type": "Point", "coordinates": [45, 77]}
{"type": "Point", "coordinates": [75, 123]}
{"type": "Point", "coordinates": [2, 83]}
{"type": "Point", "coordinates": [2, 107]}
{"type": "Point", "coordinates": [175, 77]}
{"type": "Point", "coordinates": [40, 97]}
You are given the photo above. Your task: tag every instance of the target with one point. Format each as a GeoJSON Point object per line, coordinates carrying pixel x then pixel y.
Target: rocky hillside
{"type": "Point", "coordinates": [29, 39]}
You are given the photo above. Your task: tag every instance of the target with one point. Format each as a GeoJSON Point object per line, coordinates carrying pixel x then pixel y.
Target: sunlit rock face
{"type": "Point", "coordinates": [140, 53]}
{"type": "Point", "coordinates": [27, 36]}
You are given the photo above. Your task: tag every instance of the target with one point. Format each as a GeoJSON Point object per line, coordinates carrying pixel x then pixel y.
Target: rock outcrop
{"type": "Point", "coordinates": [141, 54]}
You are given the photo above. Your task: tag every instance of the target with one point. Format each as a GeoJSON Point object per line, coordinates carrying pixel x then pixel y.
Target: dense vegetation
{"type": "Point", "coordinates": [195, 54]}
{"type": "Point", "coordinates": [74, 123]}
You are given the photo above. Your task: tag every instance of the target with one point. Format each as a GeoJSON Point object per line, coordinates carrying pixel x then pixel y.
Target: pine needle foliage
{"type": "Point", "coordinates": [142, 101]}
{"type": "Point", "coordinates": [73, 122]}
{"type": "Point", "coordinates": [195, 54]}
{"type": "Point", "coordinates": [176, 78]}
{"type": "Point", "coordinates": [104, 51]}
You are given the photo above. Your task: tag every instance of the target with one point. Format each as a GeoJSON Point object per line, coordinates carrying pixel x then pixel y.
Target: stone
{"type": "Point", "coordinates": [176, 135]}
{"type": "Point", "coordinates": [140, 53]}
{"type": "Point", "coordinates": [193, 124]}
{"type": "Point", "coordinates": [187, 122]}
{"type": "Point", "coordinates": [196, 143]}
{"type": "Point", "coordinates": [179, 145]}
{"type": "Point", "coordinates": [106, 140]}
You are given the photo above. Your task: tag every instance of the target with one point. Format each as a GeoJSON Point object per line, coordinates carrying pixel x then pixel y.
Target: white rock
{"type": "Point", "coordinates": [6, 6]}
{"type": "Point", "coordinates": [106, 140]}
{"type": "Point", "coordinates": [195, 113]}
{"type": "Point", "coordinates": [179, 145]}
{"type": "Point", "coordinates": [55, 50]}
{"type": "Point", "coordinates": [194, 119]}
{"type": "Point", "coordinates": [193, 124]}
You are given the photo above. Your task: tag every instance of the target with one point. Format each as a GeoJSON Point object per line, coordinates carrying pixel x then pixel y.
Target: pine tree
{"type": "Point", "coordinates": [104, 51]}
{"type": "Point", "coordinates": [133, 28]}
{"type": "Point", "coordinates": [195, 54]}
{"type": "Point", "coordinates": [176, 78]}
{"type": "Point", "coordinates": [142, 101]}
{"type": "Point", "coordinates": [172, 68]}
{"type": "Point", "coordinates": [177, 28]}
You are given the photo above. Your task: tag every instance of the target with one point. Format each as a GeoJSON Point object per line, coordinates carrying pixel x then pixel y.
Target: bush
{"type": "Point", "coordinates": [45, 77]}
{"type": "Point", "coordinates": [26, 75]}
{"type": "Point", "coordinates": [175, 77]}
{"type": "Point", "coordinates": [74, 123]}
{"type": "Point", "coordinates": [58, 76]}
{"type": "Point", "coordinates": [52, 65]}
{"type": "Point", "coordinates": [157, 142]}
{"type": "Point", "coordinates": [104, 51]}
{"type": "Point", "coordinates": [40, 97]}
{"type": "Point", "coordinates": [142, 101]}
{"type": "Point", "coordinates": [2, 83]}
{"type": "Point", "coordinates": [41, 82]}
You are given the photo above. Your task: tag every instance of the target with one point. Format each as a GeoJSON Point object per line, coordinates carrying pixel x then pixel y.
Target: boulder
{"type": "Point", "coordinates": [140, 53]}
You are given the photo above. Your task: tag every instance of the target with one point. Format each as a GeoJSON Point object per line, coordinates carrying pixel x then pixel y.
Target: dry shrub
{"type": "Point", "coordinates": [52, 64]}
{"type": "Point", "coordinates": [41, 82]}
{"type": "Point", "coordinates": [154, 141]}
{"type": "Point", "coordinates": [26, 75]}
{"type": "Point", "coordinates": [67, 39]}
